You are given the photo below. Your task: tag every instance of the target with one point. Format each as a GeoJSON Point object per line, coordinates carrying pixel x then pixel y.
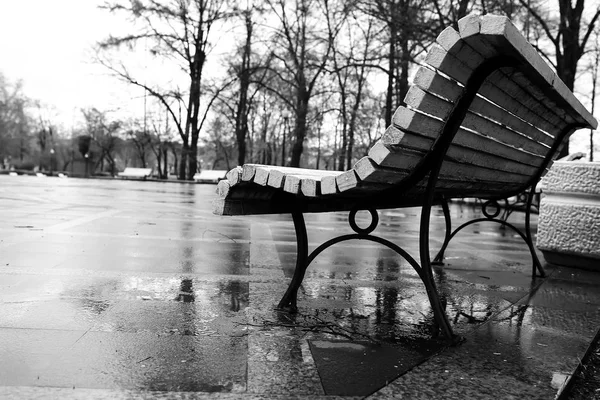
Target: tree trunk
{"type": "Point", "coordinates": [391, 70]}
{"type": "Point", "coordinates": [241, 120]}
{"type": "Point", "coordinates": [318, 147]}
{"type": "Point", "coordinates": [351, 132]}
{"type": "Point", "coordinates": [183, 161]}
{"type": "Point", "coordinates": [299, 129]}
{"type": "Point", "coordinates": [193, 157]}
{"type": "Point", "coordinates": [194, 104]}
{"type": "Point", "coordinates": [568, 57]}
{"type": "Point", "coordinates": [165, 173]}
{"type": "Point", "coordinates": [159, 163]}
{"type": "Point", "coordinates": [344, 138]}
{"type": "Point", "coordinates": [405, 57]}
{"type": "Point", "coordinates": [175, 159]}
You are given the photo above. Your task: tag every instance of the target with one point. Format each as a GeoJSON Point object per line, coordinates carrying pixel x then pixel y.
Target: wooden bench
{"type": "Point", "coordinates": [484, 118]}
{"type": "Point", "coordinates": [209, 176]}
{"type": "Point", "coordinates": [135, 173]}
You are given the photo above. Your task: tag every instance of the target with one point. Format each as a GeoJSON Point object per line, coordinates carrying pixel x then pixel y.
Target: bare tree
{"type": "Point", "coordinates": [160, 144]}
{"type": "Point", "coordinates": [179, 31]}
{"type": "Point", "coordinates": [410, 26]}
{"type": "Point", "coordinates": [569, 36]}
{"type": "Point", "coordinates": [141, 140]}
{"type": "Point", "coordinates": [301, 50]}
{"type": "Point", "coordinates": [351, 73]}
{"type": "Point", "coordinates": [103, 134]}
{"type": "Point", "coordinates": [14, 120]}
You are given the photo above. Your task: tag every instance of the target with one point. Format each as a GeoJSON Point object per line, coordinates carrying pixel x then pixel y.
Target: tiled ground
{"type": "Point", "coordinates": [120, 289]}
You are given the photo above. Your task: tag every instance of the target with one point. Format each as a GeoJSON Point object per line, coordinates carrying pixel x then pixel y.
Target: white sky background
{"type": "Point", "coordinates": [48, 45]}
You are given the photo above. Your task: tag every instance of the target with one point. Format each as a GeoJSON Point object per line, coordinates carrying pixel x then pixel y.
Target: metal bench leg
{"type": "Point", "coordinates": [288, 301]}
{"type": "Point", "coordinates": [537, 265]}
{"type": "Point", "coordinates": [439, 258]}
{"type": "Point", "coordinates": [439, 310]}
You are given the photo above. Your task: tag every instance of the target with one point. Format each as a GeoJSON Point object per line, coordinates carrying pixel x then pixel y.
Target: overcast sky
{"type": "Point", "coordinates": [48, 44]}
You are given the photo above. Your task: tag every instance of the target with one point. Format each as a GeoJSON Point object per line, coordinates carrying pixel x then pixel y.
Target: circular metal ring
{"type": "Point", "coordinates": [368, 229]}
{"type": "Point", "coordinates": [490, 215]}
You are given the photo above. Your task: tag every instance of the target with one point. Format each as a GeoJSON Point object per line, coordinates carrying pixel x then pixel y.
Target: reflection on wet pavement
{"type": "Point", "coordinates": [112, 285]}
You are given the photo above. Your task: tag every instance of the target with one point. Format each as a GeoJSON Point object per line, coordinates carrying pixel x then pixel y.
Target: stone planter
{"type": "Point", "coordinates": [569, 218]}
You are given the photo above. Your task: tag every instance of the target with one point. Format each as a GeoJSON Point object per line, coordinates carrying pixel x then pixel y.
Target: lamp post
{"type": "Point", "coordinates": [51, 161]}
{"type": "Point", "coordinates": [286, 116]}
{"type": "Point", "coordinates": [87, 157]}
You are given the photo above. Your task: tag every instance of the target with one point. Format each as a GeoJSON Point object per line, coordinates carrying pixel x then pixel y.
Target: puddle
{"type": "Point", "coordinates": [373, 366]}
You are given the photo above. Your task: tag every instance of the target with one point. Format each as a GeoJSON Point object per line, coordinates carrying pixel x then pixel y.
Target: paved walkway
{"type": "Point", "coordinates": [120, 289]}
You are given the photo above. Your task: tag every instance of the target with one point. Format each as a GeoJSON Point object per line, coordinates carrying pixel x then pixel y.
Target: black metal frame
{"type": "Point", "coordinates": [519, 204]}
{"type": "Point", "coordinates": [428, 169]}
{"type": "Point", "coordinates": [492, 217]}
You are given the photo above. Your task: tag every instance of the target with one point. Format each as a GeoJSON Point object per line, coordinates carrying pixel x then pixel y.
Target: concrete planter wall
{"type": "Point", "coordinates": [569, 218]}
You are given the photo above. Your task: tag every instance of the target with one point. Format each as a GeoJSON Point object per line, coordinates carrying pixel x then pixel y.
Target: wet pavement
{"type": "Point", "coordinates": [121, 289]}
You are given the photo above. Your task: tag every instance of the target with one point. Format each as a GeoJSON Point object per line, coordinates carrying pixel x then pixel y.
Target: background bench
{"type": "Point", "coordinates": [135, 173]}
{"type": "Point", "coordinates": [484, 118]}
{"type": "Point", "coordinates": [209, 176]}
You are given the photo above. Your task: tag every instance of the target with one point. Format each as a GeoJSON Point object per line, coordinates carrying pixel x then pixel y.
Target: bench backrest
{"type": "Point", "coordinates": [519, 118]}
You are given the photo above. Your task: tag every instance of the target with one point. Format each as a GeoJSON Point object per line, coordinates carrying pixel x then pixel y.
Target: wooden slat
{"type": "Point", "coordinates": [328, 185]}
{"type": "Point", "coordinates": [291, 184]}
{"type": "Point", "coordinates": [223, 188]}
{"type": "Point", "coordinates": [310, 187]}
{"type": "Point", "coordinates": [438, 85]}
{"type": "Point", "coordinates": [347, 180]}
{"type": "Point", "coordinates": [406, 158]}
{"type": "Point", "coordinates": [292, 170]}
{"type": "Point", "coordinates": [248, 171]}
{"type": "Point", "coordinates": [458, 171]}
{"type": "Point", "coordinates": [439, 59]}
{"type": "Point", "coordinates": [432, 105]}
{"type": "Point", "coordinates": [496, 26]}
{"type": "Point", "coordinates": [472, 51]}
{"type": "Point", "coordinates": [305, 181]}
{"type": "Point", "coordinates": [359, 189]}
{"type": "Point", "coordinates": [369, 171]}
{"type": "Point", "coordinates": [377, 178]}
{"type": "Point", "coordinates": [261, 176]}
{"type": "Point", "coordinates": [276, 179]}
{"type": "Point", "coordinates": [412, 121]}
{"type": "Point", "coordinates": [469, 25]}
{"type": "Point", "coordinates": [286, 178]}
{"type": "Point", "coordinates": [516, 85]}
{"type": "Point", "coordinates": [234, 176]}
{"type": "Point", "coordinates": [395, 137]}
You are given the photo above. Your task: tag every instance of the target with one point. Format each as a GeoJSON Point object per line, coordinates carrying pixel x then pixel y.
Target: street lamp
{"type": "Point", "coordinates": [286, 116]}
{"type": "Point", "coordinates": [87, 156]}
{"type": "Point", "coordinates": [51, 161]}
